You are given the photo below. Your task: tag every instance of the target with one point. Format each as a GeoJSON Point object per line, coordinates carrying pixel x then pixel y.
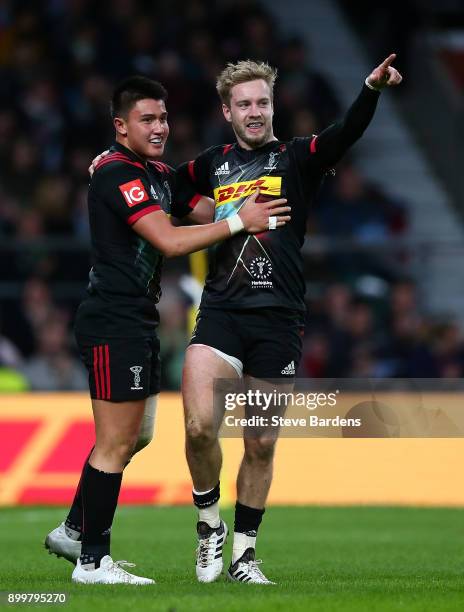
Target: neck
{"type": "Point", "coordinates": [124, 142]}
{"type": "Point", "coordinates": [248, 147]}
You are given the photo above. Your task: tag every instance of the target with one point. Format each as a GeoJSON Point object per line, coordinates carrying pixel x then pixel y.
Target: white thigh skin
{"type": "Point", "coordinates": [147, 426]}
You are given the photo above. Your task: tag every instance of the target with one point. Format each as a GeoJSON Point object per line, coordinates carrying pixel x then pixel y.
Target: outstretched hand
{"type": "Point", "coordinates": [385, 75]}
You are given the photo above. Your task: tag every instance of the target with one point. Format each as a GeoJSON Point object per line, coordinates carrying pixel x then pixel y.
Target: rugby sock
{"type": "Point", "coordinates": [247, 522]}
{"type": "Point", "coordinates": [100, 491]}
{"type": "Point", "coordinates": [73, 522]}
{"type": "Point", "coordinates": [73, 531]}
{"type": "Point", "coordinates": [207, 503]}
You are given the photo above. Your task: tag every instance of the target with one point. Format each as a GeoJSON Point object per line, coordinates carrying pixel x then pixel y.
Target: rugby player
{"type": "Point", "coordinates": [252, 310]}
{"type": "Point", "coordinates": [131, 196]}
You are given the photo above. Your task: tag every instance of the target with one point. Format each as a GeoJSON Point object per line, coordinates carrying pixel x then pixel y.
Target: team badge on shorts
{"type": "Point", "coordinates": [136, 370]}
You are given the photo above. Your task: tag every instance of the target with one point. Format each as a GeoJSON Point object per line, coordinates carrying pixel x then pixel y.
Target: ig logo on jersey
{"type": "Point", "coordinates": [134, 192]}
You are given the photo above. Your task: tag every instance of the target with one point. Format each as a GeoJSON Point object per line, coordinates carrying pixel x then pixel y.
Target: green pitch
{"type": "Point", "coordinates": [324, 559]}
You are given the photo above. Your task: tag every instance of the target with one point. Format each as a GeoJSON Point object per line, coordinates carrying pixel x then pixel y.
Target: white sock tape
{"type": "Point", "coordinates": [272, 223]}
{"type": "Point", "coordinates": [235, 224]}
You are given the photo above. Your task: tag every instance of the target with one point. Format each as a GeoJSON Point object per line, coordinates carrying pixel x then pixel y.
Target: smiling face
{"type": "Point", "coordinates": [250, 112]}
{"type": "Point", "coordinates": [145, 130]}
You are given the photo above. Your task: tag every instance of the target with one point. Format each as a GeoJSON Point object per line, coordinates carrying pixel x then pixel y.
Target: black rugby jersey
{"type": "Point", "coordinates": [266, 269]}
{"type": "Point", "coordinates": [124, 281]}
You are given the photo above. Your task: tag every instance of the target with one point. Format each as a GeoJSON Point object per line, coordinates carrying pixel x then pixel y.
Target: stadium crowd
{"type": "Point", "coordinates": [58, 63]}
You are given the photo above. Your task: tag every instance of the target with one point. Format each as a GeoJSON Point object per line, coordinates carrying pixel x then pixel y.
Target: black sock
{"type": "Point", "coordinates": [208, 499]}
{"type": "Point", "coordinates": [99, 491]}
{"type": "Point", "coordinates": [247, 519]}
{"type": "Point", "coordinates": [74, 518]}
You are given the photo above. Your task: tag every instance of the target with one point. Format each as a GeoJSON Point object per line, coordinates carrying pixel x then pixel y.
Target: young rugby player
{"type": "Point", "coordinates": [252, 310]}
{"type": "Point", "coordinates": [131, 196]}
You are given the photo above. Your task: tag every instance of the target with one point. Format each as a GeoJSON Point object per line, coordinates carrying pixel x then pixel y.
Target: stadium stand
{"type": "Point", "coordinates": [61, 60]}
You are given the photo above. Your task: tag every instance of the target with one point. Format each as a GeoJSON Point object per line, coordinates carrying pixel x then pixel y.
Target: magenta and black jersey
{"type": "Point", "coordinates": [124, 281]}
{"type": "Point", "coordinates": [266, 270]}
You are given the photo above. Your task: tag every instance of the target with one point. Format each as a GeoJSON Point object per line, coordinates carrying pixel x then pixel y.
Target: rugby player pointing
{"type": "Point", "coordinates": [130, 197]}
{"type": "Point", "coordinates": [252, 309]}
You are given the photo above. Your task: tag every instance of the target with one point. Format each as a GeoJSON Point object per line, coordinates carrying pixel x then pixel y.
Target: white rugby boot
{"type": "Point", "coordinates": [109, 572]}
{"type": "Point", "coordinates": [246, 569]}
{"type": "Point", "coordinates": [209, 552]}
{"type": "Point", "coordinates": [60, 544]}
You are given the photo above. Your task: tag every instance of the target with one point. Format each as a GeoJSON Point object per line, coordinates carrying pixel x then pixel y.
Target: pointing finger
{"type": "Point", "coordinates": [389, 60]}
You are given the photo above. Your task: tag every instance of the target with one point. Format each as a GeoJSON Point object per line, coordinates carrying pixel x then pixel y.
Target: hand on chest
{"type": "Point", "coordinates": [234, 179]}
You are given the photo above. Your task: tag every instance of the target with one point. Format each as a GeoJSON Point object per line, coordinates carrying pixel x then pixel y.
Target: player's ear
{"type": "Point", "coordinates": [226, 113]}
{"type": "Point", "coordinates": [120, 126]}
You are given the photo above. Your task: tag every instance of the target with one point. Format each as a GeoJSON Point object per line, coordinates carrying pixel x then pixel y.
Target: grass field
{"type": "Point", "coordinates": [324, 559]}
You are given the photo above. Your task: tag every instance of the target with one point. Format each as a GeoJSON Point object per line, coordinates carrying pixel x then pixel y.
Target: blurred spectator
{"type": "Point", "coordinates": [357, 331]}
{"type": "Point", "coordinates": [10, 355]}
{"type": "Point", "coordinates": [302, 90]}
{"type": "Point", "coordinates": [315, 357]}
{"type": "Point", "coordinates": [355, 210]}
{"type": "Point", "coordinates": [349, 337]}
{"type": "Point", "coordinates": [53, 367]}
{"type": "Point", "coordinates": [173, 339]}
{"type": "Point", "coordinates": [22, 323]}
{"type": "Point", "coordinates": [62, 60]}
{"type": "Point", "coordinates": [448, 350]}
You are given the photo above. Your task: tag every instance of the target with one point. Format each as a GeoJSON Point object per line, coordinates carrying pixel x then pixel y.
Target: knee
{"type": "Point", "coordinates": [259, 450]}
{"type": "Point", "coordinates": [200, 435]}
{"type": "Point", "coordinates": [117, 450]}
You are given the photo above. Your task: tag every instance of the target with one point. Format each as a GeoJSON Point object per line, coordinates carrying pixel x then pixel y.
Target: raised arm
{"type": "Point", "coordinates": [333, 142]}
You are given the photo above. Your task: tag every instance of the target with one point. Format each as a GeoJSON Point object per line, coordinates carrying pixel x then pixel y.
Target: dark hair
{"type": "Point", "coordinates": [133, 89]}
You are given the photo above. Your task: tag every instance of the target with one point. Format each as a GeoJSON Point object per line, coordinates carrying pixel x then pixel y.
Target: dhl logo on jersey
{"type": "Point", "coordinates": [268, 185]}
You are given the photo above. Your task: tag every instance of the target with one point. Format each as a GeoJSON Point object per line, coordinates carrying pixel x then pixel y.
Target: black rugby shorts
{"type": "Point", "coordinates": [121, 369]}
{"type": "Point", "coordinates": [267, 341]}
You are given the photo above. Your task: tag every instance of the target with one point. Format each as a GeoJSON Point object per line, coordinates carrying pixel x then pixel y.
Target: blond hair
{"type": "Point", "coordinates": [242, 72]}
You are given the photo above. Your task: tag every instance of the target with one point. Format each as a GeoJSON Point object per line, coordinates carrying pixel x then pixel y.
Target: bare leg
{"type": "Point", "coordinates": [202, 448]}
{"type": "Point", "coordinates": [256, 470]}
{"type": "Point", "coordinates": [145, 435]}
{"type": "Point", "coordinates": [117, 426]}
{"type": "Point", "coordinates": [255, 473]}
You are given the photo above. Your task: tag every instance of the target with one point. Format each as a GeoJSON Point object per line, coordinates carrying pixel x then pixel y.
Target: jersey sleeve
{"type": "Point", "coordinates": [197, 173]}
{"type": "Point", "coordinates": [184, 195]}
{"type": "Point", "coordinates": [126, 190]}
{"type": "Point", "coordinates": [327, 148]}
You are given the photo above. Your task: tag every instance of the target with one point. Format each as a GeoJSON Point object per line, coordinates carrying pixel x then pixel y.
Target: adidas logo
{"type": "Point", "coordinates": [290, 369]}
{"type": "Point", "coordinates": [224, 169]}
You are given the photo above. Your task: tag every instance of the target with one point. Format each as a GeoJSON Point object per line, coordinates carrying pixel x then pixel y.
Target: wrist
{"type": "Point", "coordinates": [235, 224]}
{"type": "Point", "coordinates": [371, 86]}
